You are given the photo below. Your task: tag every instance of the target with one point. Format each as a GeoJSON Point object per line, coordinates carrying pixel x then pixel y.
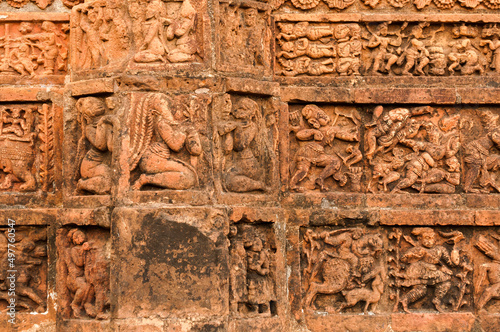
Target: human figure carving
{"type": "Point", "coordinates": [488, 272]}
{"type": "Point", "coordinates": [320, 131]}
{"type": "Point", "coordinates": [428, 265]}
{"type": "Point", "coordinates": [383, 58]}
{"type": "Point", "coordinates": [479, 158]}
{"type": "Point", "coordinates": [245, 174]}
{"type": "Point", "coordinates": [84, 268]}
{"type": "Point", "coordinates": [156, 136]}
{"type": "Point", "coordinates": [153, 47]}
{"type": "Point", "coordinates": [183, 28]}
{"type": "Point", "coordinates": [98, 130]}
{"type": "Point", "coordinates": [343, 261]}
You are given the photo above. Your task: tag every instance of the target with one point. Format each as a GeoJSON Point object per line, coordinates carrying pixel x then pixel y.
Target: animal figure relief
{"type": "Point", "coordinates": [83, 271]}
{"type": "Point", "coordinates": [252, 271]}
{"type": "Point", "coordinates": [342, 263]}
{"type": "Point", "coordinates": [316, 134]}
{"type": "Point", "coordinates": [426, 264]}
{"type": "Point", "coordinates": [165, 146]}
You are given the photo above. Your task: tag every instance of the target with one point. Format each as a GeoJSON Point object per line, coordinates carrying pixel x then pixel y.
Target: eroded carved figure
{"type": "Point", "coordinates": [83, 271]}
{"type": "Point", "coordinates": [30, 264]}
{"type": "Point", "coordinates": [99, 33]}
{"type": "Point", "coordinates": [242, 35]}
{"type": "Point", "coordinates": [252, 270]}
{"type": "Point", "coordinates": [344, 263]}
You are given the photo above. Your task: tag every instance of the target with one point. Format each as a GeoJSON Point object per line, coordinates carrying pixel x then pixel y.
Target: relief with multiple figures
{"type": "Point", "coordinates": [343, 269]}
{"type": "Point", "coordinates": [430, 269]}
{"type": "Point", "coordinates": [99, 35]}
{"type": "Point", "coordinates": [335, 6]}
{"type": "Point", "coordinates": [391, 149]}
{"type": "Point", "coordinates": [166, 32]}
{"type": "Point", "coordinates": [83, 272]}
{"type": "Point", "coordinates": [33, 48]}
{"type": "Point", "coordinates": [387, 48]}
{"type": "Point", "coordinates": [325, 148]}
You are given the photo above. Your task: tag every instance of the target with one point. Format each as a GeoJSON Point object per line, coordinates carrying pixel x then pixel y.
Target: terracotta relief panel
{"type": "Point", "coordinates": [83, 272]}
{"type": "Point", "coordinates": [243, 36]}
{"type": "Point", "coordinates": [95, 136]}
{"type": "Point", "coordinates": [253, 270]}
{"type": "Point", "coordinates": [167, 32]}
{"type": "Point", "coordinates": [27, 145]}
{"type": "Point", "coordinates": [100, 34]}
{"type": "Point", "coordinates": [388, 48]}
{"type": "Point", "coordinates": [394, 6]}
{"type": "Point", "coordinates": [23, 254]}
{"type": "Point", "coordinates": [380, 149]}
{"type": "Point", "coordinates": [33, 48]}
{"type": "Point", "coordinates": [343, 269]}
{"type": "Point", "coordinates": [246, 140]}
{"type": "Point", "coordinates": [169, 145]}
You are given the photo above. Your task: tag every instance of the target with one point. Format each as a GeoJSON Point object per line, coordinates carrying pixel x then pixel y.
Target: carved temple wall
{"type": "Point", "coordinates": [199, 165]}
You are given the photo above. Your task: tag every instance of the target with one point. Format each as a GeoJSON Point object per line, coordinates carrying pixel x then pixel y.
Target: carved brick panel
{"type": "Point", "coordinates": [379, 149]}
{"type": "Point", "coordinates": [27, 146]}
{"type": "Point", "coordinates": [33, 49]}
{"type": "Point", "coordinates": [83, 272]}
{"type": "Point", "coordinates": [243, 37]}
{"type": "Point", "coordinates": [246, 133]}
{"type": "Point", "coordinates": [386, 48]}
{"type": "Point", "coordinates": [27, 262]}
